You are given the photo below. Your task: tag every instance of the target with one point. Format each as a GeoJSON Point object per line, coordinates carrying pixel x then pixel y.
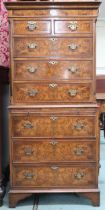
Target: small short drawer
{"type": "Point", "coordinates": [53, 47]}
{"type": "Point", "coordinates": [73, 26]}
{"type": "Point", "coordinates": [53, 92]}
{"type": "Point", "coordinates": [53, 150]}
{"type": "Point", "coordinates": [52, 70]}
{"type": "Point", "coordinates": [40, 125]}
{"type": "Point", "coordinates": [32, 27]}
{"type": "Point", "coordinates": [54, 176]}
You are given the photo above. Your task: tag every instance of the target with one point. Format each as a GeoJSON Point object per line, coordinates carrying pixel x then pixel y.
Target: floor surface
{"type": "Point", "coordinates": [65, 201]}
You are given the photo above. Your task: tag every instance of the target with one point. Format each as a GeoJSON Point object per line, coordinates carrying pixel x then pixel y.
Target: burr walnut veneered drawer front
{"type": "Point", "coordinates": [55, 12]}
{"type": "Point", "coordinates": [32, 26]}
{"type": "Point", "coordinates": [52, 126]}
{"type": "Point", "coordinates": [52, 69]}
{"type": "Point", "coordinates": [53, 151]}
{"type": "Point", "coordinates": [52, 92]}
{"type": "Point", "coordinates": [73, 26]}
{"type": "Point", "coordinates": [54, 176]}
{"type": "Point", "coordinates": [53, 47]}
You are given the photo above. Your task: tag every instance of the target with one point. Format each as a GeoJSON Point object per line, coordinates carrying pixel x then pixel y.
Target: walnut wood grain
{"type": "Point", "coordinates": [22, 27]}
{"type": "Point", "coordinates": [63, 27]}
{"type": "Point", "coordinates": [53, 151]}
{"type": "Point", "coordinates": [52, 125]}
{"type": "Point", "coordinates": [53, 47]}
{"type": "Point", "coordinates": [52, 70]}
{"type": "Point", "coordinates": [52, 92]}
{"type": "Point", "coordinates": [53, 102]}
{"type": "Point", "coordinates": [54, 12]}
{"type": "Point", "coordinates": [57, 176]}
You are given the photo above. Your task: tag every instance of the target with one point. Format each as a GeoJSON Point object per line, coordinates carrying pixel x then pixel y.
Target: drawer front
{"type": "Point", "coordinates": [52, 70]}
{"type": "Point", "coordinates": [52, 93]}
{"type": "Point", "coordinates": [54, 176]}
{"type": "Point", "coordinates": [52, 126]}
{"type": "Point", "coordinates": [55, 12]}
{"type": "Point", "coordinates": [73, 26]}
{"type": "Point", "coordinates": [53, 151]}
{"type": "Point", "coordinates": [53, 47]}
{"type": "Point", "coordinates": [32, 26]}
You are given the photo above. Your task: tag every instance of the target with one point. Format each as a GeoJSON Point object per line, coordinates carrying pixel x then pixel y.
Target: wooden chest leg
{"type": "Point", "coordinates": [14, 198]}
{"type": "Point", "coordinates": [93, 196]}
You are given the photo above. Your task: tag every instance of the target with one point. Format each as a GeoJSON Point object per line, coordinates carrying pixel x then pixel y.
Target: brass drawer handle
{"type": "Point", "coordinates": [72, 25]}
{"type": "Point", "coordinates": [79, 175]}
{"type": "Point", "coordinates": [53, 143]}
{"type": "Point", "coordinates": [31, 69]}
{"type": "Point", "coordinates": [79, 126]}
{"type": "Point", "coordinates": [28, 125]}
{"type": "Point", "coordinates": [31, 25]}
{"type": "Point", "coordinates": [73, 46]}
{"type": "Point", "coordinates": [78, 151]}
{"type": "Point", "coordinates": [53, 118]}
{"type": "Point", "coordinates": [28, 175]}
{"type": "Point", "coordinates": [53, 62]}
{"type": "Point", "coordinates": [72, 92]}
{"type": "Point", "coordinates": [32, 45]}
{"type": "Point", "coordinates": [32, 93]}
{"type": "Point", "coordinates": [73, 69]}
{"type": "Point", "coordinates": [28, 151]}
{"type": "Point", "coordinates": [54, 167]}
{"type": "Point", "coordinates": [53, 85]}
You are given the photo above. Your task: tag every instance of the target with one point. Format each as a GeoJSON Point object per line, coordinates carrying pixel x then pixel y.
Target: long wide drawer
{"type": "Point", "coordinates": [55, 13]}
{"type": "Point", "coordinates": [52, 70]}
{"type": "Point", "coordinates": [54, 176]}
{"type": "Point", "coordinates": [53, 92]}
{"type": "Point", "coordinates": [53, 151]}
{"type": "Point", "coordinates": [52, 126]}
{"type": "Point", "coordinates": [53, 47]}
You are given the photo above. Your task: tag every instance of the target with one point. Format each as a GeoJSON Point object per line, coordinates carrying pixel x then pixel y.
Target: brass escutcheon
{"type": "Point", "coordinates": [53, 62]}
{"type": "Point", "coordinates": [53, 143]}
{"type": "Point", "coordinates": [53, 85]}
{"type": "Point", "coordinates": [53, 118]}
{"type": "Point", "coordinates": [54, 167]}
{"type": "Point", "coordinates": [53, 39]}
